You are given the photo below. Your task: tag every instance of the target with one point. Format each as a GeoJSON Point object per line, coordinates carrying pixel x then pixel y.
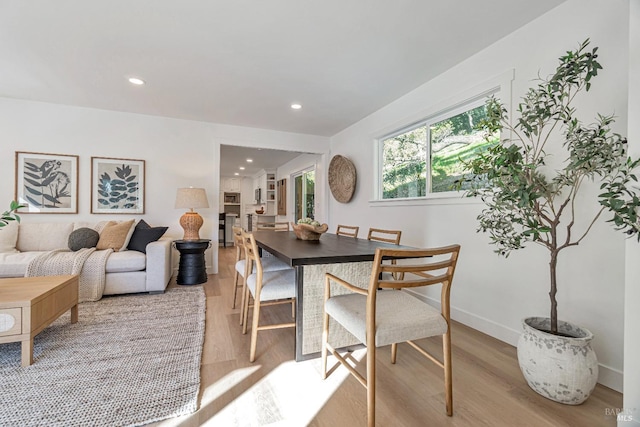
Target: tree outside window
{"type": "Point", "coordinates": [428, 157]}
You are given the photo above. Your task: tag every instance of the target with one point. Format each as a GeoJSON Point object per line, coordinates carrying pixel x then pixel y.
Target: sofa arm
{"type": "Point", "coordinates": [158, 265]}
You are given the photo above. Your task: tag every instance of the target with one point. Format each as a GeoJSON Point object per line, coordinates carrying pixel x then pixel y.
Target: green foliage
{"type": "Point", "coordinates": [10, 215]}
{"type": "Point", "coordinates": [524, 202]}
{"type": "Point", "coordinates": [309, 221]}
{"type": "Point", "coordinates": [405, 164]}
{"type": "Point", "coordinates": [451, 141]}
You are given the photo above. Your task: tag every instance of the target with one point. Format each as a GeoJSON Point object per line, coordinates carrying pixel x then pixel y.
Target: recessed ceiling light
{"type": "Point", "coordinates": [136, 81]}
{"type": "Point", "coordinates": [236, 173]}
{"type": "Point", "coordinates": [241, 168]}
{"type": "Point", "coordinates": [296, 106]}
{"type": "Point", "coordinates": [249, 160]}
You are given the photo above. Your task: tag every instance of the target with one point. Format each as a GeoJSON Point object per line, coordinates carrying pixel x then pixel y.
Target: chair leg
{"type": "Point", "coordinates": [325, 340]}
{"type": "Point", "coordinates": [254, 329]}
{"type": "Point", "coordinates": [371, 386]}
{"type": "Point", "coordinates": [394, 352]}
{"type": "Point", "coordinates": [235, 287]}
{"type": "Point", "coordinates": [245, 311]}
{"type": "Point", "coordinates": [242, 304]}
{"type": "Point", "coordinates": [448, 377]}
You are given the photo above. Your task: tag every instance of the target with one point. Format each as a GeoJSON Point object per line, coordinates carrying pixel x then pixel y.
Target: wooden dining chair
{"type": "Point", "coordinates": [281, 226]}
{"type": "Point", "coordinates": [382, 315]}
{"type": "Point", "coordinates": [273, 226]}
{"type": "Point", "coordinates": [347, 230]}
{"type": "Point", "coordinates": [238, 272]}
{"type": "Point", "coordinates": [268, 264]}
{"type": "Point", "coordinates": [387, 236]}
{"type": "Point", "coordinates": [266, 288]}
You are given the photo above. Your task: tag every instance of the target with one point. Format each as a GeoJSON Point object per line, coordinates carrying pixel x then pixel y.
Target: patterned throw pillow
{"type": "Point", "coordinates": [83, 238]}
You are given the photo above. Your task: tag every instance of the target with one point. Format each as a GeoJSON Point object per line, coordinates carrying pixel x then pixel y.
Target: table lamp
{"type": "Point", "coordinates": [191, 198]}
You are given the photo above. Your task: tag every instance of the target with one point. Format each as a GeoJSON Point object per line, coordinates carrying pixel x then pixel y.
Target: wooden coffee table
{"type": "Point", "coordinates": [30, 304]}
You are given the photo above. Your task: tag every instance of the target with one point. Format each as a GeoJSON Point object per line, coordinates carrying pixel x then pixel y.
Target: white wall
{"type": "Point", "coordinates": [631, 396]}
{"type": "Point", "coordinates": [177, 153]}
{"type": "Point", "coordinates": [490, 293]}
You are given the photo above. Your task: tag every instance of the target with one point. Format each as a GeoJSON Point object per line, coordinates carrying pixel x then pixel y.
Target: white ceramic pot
{"type": "Point", "coordinates": [563, 369]}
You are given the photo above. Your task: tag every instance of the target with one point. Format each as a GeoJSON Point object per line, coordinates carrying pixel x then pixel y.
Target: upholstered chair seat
{"type": "Point", "coordinates": [275, 285]}
{"type": "Point", "coordinates": [416, 319]}
{"type": "Point", "coordinates": [268, 264]}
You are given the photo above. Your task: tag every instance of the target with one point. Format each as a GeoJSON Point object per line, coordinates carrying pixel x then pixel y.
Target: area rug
{"type": "Point", "coordinates": [130, 360]}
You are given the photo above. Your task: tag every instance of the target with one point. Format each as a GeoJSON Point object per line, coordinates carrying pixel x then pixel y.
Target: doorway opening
{"type": "Point", "coordinates": [304, 184]}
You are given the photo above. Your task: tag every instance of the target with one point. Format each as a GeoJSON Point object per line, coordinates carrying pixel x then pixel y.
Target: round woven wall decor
{"type": "Point", "coordinates": [342, 178]}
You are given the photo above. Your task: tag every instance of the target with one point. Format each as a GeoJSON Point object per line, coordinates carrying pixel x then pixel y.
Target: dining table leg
{"type": "Point", "coordinates": [310, 282]}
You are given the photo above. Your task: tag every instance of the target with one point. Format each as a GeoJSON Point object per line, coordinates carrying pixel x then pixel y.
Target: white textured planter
{"type": "Point", "coordinates": [563, 369]}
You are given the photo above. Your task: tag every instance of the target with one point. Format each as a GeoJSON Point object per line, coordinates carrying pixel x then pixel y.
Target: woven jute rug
{"type": "Point", "coordinates": [130, 360]}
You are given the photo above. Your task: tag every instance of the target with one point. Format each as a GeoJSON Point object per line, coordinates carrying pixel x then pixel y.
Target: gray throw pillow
{"type": "Point", "coordinates": [83, 238]}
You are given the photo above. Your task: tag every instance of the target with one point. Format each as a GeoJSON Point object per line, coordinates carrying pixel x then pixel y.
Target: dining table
{"type": "Point", "coordinates": [346, 257]}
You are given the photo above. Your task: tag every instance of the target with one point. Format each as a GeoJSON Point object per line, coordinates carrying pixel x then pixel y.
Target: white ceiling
{"type": "Point", "coordinates": [243, 62]}
{"type": "Point", "coordinates": [232, 157]}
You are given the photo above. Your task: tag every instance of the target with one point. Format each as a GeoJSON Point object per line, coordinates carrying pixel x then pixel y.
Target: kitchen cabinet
{"type": "Point", "coordinates": [231, 203]}
{"type": "Point", "coordinates": [270, 184]}
{"type": "Point", "coordinates": [266, 182]}
{"type": "Point", "coordinates": [231, 185]}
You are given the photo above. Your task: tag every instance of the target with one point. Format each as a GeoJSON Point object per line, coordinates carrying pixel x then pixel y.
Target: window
{"type": "Point", "coordinates": [304, 191]}
{"type": "Point", "coordinates": [426, 158]}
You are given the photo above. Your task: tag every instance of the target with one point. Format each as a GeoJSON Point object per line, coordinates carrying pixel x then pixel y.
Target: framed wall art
{"type": "Point", "coordinates": [47, 183]}
{"type": "Point", "coordinates": [117, 186]}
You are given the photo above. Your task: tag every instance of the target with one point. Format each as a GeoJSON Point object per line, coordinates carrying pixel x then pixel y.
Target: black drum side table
{"type": "Point", "coordinates": [192, 269]}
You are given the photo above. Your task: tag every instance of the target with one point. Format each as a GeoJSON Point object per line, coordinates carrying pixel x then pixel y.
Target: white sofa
{"type": "Point", "coordinates": [127, 271]}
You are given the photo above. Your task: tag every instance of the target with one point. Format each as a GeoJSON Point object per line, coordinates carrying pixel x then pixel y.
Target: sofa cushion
{"type": "Point", "coordinates": [145, 234]}
{"type": "Point", "coordinates": [9, 237]}
{"type": "Point", "coordinates": [43, 236]}
{"type": "Point", "coordinates": [127, 239]}
{"type": "Point", "coordinates": [98, 226]}
{"type": "Point", "coordinates": [83, 238]}
{"type": "Point", "coordinates": [114, 235]}
{"type": "Point", "coordinates": [14, 264]}
{"type": "Point", "coordinates": [119, 262]}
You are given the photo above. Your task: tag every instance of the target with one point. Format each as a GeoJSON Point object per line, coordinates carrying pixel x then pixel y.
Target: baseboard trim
{"type": "Point", "coordinates": [607, 376]}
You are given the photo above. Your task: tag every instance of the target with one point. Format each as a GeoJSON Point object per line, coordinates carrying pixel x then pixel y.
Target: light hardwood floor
{"type": "Point", "coordinates": [488, 388]}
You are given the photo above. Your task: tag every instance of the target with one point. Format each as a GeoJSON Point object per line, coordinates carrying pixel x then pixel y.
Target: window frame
{"type": "Point", "coordinates": [499, 86]}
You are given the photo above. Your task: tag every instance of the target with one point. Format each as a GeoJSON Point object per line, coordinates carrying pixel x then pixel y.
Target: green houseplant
{"type": "Point", "coordinates": [526, 200]}
{"type": "Point", "coordinates": [10, 215]}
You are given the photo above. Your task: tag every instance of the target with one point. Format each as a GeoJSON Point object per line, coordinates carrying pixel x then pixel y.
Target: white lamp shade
{"type": "Point", "coordinates": [191, 198]}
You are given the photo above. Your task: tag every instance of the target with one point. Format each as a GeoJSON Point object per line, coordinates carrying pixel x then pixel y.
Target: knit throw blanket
{"type": "Point", "coordinates": [88, 263]}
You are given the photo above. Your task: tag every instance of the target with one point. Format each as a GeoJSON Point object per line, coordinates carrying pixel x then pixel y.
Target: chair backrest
{"type": "Point", "coordinates": [419, 267]}
{"type": "Point", "coordinates": [221, 220]}
{"type": "Point", "coordinates": [347, 230]}
{"type": "Point", "coordinates": [273, 226]}
{"type": "Point", "coordinates": [251, 253]}
{"type": "Point", "coordinates": [238, 242]}
{"type": "Point", "coordinates": [281, 226]}
{"type": "Point", "coordinates": [388, 236]}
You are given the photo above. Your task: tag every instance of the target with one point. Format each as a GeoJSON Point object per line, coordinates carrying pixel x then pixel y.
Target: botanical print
{"type": "Point", "coordinates": [117, 185]}
{"type": "Point", "coordinates": [47, 183]}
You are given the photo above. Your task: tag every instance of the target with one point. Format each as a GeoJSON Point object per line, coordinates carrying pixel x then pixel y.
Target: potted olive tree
{"type": "Point", "coordinates": [528, 201]}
